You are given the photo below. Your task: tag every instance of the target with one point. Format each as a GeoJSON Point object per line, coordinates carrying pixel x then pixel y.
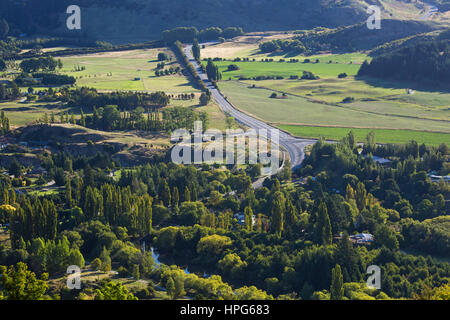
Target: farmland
{"type": "Point", "coordinates": [247, 47]}
{"type": "Point", "coordinates": [381, 135]}
{"type": "Point", "coordinates": [127, 70]}
{"type": "Point", "coordinates": [295, 110]}
{"type": "Point", "coordinates": [284, 69]}
{"type": "Point", "coordinates": [314, 108]}
{"type": "Point", "coordinates": [132, 70]}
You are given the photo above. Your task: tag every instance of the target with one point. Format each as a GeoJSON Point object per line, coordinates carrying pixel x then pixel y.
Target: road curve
{"type": "Point", "coordinates": [294, 146]}
{"type": "Point", "coordinates": [431, 9]}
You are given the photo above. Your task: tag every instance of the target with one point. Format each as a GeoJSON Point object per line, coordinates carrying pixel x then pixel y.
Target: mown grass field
{"type": "Point", "coordinates": [381, 135]}
{"type": "Point", "coordinates": [113, 71]}
{"type": "Point", "coordinates": [297, 110]}
{"type": "Point", "coordinates": [284, 69]}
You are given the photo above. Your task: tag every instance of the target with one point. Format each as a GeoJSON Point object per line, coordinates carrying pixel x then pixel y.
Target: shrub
{"type": "Point", "coordinates": [162, 56]}
{"type": "Point", "coordinates": [348, 100]}
{"type": "Point", "coordinates": [233, 67]}
{"type": "Point", "coordinates": [307, 75]}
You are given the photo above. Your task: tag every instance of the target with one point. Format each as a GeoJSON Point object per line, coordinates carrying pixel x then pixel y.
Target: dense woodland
{"type": "Point", "coordinates": [187, 35]}
{"type": "Point", "coordinates": [359, 37]}
{"type": "Point", "coordinates": [296, 247]}
{"type": "Point", "coordinates": [166, 120]}
{"type": "Point", "coordinates": [427, 63]}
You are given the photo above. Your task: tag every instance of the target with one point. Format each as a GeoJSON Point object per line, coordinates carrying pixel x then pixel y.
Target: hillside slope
{"type": "Point", "coordinates": [131, 20]}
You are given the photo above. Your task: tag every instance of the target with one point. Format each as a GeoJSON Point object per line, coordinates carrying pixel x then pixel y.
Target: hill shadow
{"type": "Point", "coordinates": [398, 84]}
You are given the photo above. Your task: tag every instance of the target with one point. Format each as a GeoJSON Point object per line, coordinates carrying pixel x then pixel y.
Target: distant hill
{"type": "Point", "coordinates": [132, 20]}
{"type": "Point", "coordinates": [359, 37]}
{"type": "Point", "coordinates": [410, 41]}
{"type": "Point", "coordinates": [426, 63]}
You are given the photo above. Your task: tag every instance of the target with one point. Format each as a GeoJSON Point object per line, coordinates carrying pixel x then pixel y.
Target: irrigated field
{"type": "Point", "coordinates": [295, 110]}
{"type": "Point", "coordinates": [284, 69]}
{"type": "Point", "coordinates": [381, 135]}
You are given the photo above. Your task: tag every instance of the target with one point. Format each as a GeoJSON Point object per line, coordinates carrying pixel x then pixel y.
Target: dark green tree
{"type": "Point", "coordinates": [278, 205]}
{"type": "Point", "coordinates": [337, 284]}
{"type": "Point", "coordinates": [323, 225]}
{"type": "Point", "coordinates": [4, 28]}
{"type": "Point", "coordinates": [196, 50]}
{"type": "Point", "coordinates": [19, 283]}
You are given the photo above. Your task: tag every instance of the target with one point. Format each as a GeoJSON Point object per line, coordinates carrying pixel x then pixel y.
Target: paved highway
{"type": "Point", "coordinates": [294, 146]}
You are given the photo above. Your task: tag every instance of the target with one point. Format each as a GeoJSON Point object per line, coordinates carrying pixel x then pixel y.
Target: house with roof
{"type": "Point", "coordinates": [362, 238]}
{"type": "Point", "coordinates": [240, 217]}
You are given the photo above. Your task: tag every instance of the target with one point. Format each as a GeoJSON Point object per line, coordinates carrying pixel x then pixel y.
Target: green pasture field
{"type": "Point", "coordinates": [381, 135]}
{"type": "Point", "coordinates": [345, 58]}
{"type": "Point", "coordinates": [394, 108]}
{"type": "Point", "coordinates": [112, 71]}
{"type": "Point", "coordinates": [235, 49]}
{"type": "Point", "coordinates": [126, 66]}
{"type": "Point", "coordinates": [284, 69]}
{"type": "Point", "coordinates": [382, 99]}
{"type": "Point", "coordinates": [296, 110]}
{"type": "Point", "coordinates": [332, 90]}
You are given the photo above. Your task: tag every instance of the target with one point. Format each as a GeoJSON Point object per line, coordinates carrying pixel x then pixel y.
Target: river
{"type": "Point", "coordinates": [156, 255]}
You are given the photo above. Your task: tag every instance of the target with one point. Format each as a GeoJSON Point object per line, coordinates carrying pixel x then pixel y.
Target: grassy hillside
{"type": "Point", "coordinates": [130, 20]}
{"type": "Point", "coordinates": [359, 37]}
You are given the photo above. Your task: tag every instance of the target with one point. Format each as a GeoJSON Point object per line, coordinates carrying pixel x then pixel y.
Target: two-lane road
{"type": "Point", "coordinates": [294, 146]}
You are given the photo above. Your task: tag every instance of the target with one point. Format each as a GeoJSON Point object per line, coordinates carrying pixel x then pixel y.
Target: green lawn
{"type": "Point", "coordinates": [299, 111]}
{"type": "Point", "coordinates": [381, 135]}
{"type": "Point", "coordinates": [284, 69]}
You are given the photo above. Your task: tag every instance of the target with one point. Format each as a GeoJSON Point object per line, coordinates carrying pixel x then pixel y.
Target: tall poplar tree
{"type": "Point", "coordinates": [337, 284]}
{"type": "Point", "coordinates": [68, 194]}
{"type": "Point", "coordinates": [196, 50]}
{"type": "Point", "coordinates": [323, 226]}
{"type": "Point", "coordinates": [248, 218]}
{"type": "Point", "coordinates": [277, 213]}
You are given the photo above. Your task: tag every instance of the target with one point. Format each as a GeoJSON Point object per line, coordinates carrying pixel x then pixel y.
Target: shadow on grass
{"type": "Point", "coordinates": [393, 84]}
{"type": "Point", "coordinates": [280, 54]}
